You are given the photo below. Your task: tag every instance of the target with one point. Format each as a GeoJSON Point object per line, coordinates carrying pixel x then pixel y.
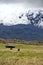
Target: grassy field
{"type": "Point", "coordinates": [28, 55]}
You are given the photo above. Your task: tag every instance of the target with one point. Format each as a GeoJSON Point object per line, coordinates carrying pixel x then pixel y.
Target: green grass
{"type": "Point", "coordinates": [28, 55]}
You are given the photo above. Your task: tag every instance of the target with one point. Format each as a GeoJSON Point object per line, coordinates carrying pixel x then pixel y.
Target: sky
{"type": "Point", "coordinates": [11, 9]}
{"type": "Point", "coordinates": [27, 3]}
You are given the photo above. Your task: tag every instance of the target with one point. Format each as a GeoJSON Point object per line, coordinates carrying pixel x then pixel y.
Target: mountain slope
{"type": "Point", "coordinates": [21, 31]}
{"type": "Point", "coordinates": [28, 27]}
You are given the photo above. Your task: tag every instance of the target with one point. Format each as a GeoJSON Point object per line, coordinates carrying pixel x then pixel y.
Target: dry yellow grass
{"type": "Point", "coordinates": [28, 55]}
{"type": "Point", "coordinates": [21, 61]}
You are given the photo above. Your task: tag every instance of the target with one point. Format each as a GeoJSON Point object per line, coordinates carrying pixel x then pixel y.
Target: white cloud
{"type": "Point", "coordinates": [9, 13]}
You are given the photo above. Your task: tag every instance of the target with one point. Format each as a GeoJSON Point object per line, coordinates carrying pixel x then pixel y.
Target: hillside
{"type": "Point", "coordinates": [28, 27]}
{"type": "Point", "coordinates": [23, 32]}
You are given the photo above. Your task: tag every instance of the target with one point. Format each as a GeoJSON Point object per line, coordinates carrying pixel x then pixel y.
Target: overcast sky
{"type": "Point", "coordinates": [27, 3]}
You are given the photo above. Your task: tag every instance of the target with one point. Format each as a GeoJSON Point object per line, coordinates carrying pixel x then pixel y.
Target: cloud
{"type": "Point", "coordinates": [18, 1]}
{"type": "Point", "coordinates": [35, 3]}
{"type": "Point", "coordinates": [11, 1]}
{"type": "Point", "coordinates": [28, 3]}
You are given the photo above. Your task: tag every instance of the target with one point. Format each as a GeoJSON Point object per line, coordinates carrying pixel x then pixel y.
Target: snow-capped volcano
{"type": "Point", "coordinates": [34, 17]}
{"type": "Point", "coordinates": [25, 26]}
